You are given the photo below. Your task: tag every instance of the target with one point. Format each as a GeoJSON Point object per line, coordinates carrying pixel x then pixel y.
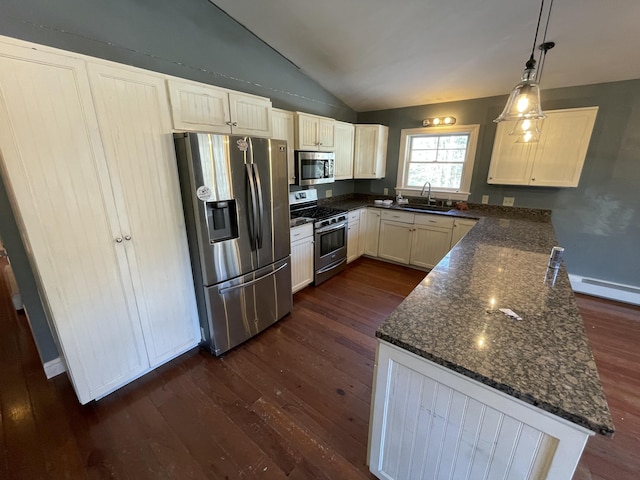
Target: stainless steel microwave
{"type": "Point", "coordinates": [313, 168]}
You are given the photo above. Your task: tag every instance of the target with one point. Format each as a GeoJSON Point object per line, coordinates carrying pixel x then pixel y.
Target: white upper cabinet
{"type": "Point", "coordinates": [556, 160]}
{"type": "Point", "coordinates": [344, 138]}
{"type": "Point", "coordinates": [284, 129]}
{"type": "Point", "coordinates": [370, 154]}
{"type": "Point", "coordinates": [314, 132]}
{"type": "Point", "coordinates": [204, 108]}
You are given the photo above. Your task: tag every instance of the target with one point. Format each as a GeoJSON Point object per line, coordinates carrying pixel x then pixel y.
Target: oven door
{"type": "Point", "coordinates": [330, 249]}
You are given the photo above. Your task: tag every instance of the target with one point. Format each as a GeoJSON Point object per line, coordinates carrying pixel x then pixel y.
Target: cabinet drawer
{"type": "Point", "coordinates": [354, 215]}
{"type": "Point", "coordinates": [397, 216]}
{"type": "Point", "coordinates": [301, 231]}
{"type": "Point", "coordinates": [434, 220]}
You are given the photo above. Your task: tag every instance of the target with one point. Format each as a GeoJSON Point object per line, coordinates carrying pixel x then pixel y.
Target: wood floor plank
{"type": "Point", "coordinates": [291, 403]}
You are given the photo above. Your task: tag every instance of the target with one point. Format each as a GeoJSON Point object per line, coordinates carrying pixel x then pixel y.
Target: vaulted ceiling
{"type": "Point", "coordinates": [379, 54]}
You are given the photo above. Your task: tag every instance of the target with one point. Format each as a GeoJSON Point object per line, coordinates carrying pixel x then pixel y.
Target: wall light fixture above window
{"type": "Point", "coordinates": [438, 121]}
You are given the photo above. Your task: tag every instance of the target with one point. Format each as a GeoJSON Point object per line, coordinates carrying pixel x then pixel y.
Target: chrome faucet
{"type": "Point", "coordinates": [422, 192]}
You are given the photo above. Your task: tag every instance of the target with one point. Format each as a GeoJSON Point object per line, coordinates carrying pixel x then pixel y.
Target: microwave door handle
{"type": "Point", "coordinates": [258, 186]}
{"type": "Point", "coordinates": [254, 205]}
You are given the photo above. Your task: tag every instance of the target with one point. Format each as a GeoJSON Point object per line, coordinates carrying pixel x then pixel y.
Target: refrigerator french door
{"type": "Point", "coordinates": [235, 198]}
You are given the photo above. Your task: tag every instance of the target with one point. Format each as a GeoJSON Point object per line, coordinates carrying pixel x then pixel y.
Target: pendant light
{"type": "Point", "coordinates": [524, 100]}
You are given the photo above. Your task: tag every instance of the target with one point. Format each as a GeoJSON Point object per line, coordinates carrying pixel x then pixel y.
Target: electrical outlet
{"type": "Point", "coordinates": [328, 193]}
{"type": "Point", "coordinates": [386, 191]}
{"type": "Point", "coordinates": [485, 199]}
{"type": "Point", "coordinates": [508, 201]}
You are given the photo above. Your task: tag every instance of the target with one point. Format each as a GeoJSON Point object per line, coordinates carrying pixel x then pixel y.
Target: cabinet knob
{"type": "Point", "coordinates": [127, 237]}
{"type": "Point", "coordinates": [490, 178]}
{"type": "Point", "coordinates": [119, 240]}
{"type": "Point", "coordinates": [533, 179]}
{"type": "Point", "coordinates": [234, 124]}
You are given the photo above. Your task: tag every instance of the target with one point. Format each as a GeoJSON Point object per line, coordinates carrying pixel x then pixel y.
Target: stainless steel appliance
{"type": "Point", "coordinates": [234, 192]}
{"type": "Point", "coordinates": [330, 233]}
{"type": "Point", "coordinates": [313, 168]}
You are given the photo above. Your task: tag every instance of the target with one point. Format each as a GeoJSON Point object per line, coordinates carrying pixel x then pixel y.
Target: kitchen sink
{"type": "Point", "coordinates": [419, 207]}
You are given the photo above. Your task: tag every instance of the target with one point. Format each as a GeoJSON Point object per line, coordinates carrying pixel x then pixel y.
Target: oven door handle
{"type": "Point", "coordinates": [332, 228]}
{"type": "Point", "coordinates": [331, 267]}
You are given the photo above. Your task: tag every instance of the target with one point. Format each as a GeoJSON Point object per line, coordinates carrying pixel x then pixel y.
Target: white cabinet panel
{"type": "Point", "coordinates": [372, 232]}
{"type": "Point", "coordinates": [430, 422]}
{"type": "Point", "coordinates": [395, 241]}
{"type": "Point", "coordinates": [301, 256]}
{"type": "Point", "coordinates": [199, 107]}
{"type": "Point", "coordinates": [283, 129]}
{"type": "Point", "coordinates": [429, 245]}
{"type": "Point", "coordinates": [370, 151]}
{"type": "Point", "coordinates": [356, 235]}
{"type": "Point", "coordinates": [62, 195]}
{"type": "Point", "coordinates": [134, 119]}
{"type": "Point", "coordinates": [461, 227]}
{"type": "Point", "coordinates": [314, 132]}
{"type": "Point", "coordinates": [205, 108]}
{"type": "Point", "coordinates": [556, 160]}
{"type": "Point", "coordinates": [344, 138]}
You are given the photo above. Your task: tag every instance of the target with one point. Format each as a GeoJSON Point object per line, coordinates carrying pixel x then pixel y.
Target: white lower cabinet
{"type": "Point", "coordinates": [430, 422]}
{"type": "Point", "coordinates": [461, 227]}
{"type": "Point", "coordinates": [355, 236]}
{"type": "Point", "coordinates": [97, 197]}
{"type": "Point", "coordinates": [371, 231]}
{"type": "Point", "coordinates": [414, 239]}
{"type": "Point", "coordinates": [301, 256]}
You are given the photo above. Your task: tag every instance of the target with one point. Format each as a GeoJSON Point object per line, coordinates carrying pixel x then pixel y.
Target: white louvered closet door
{"type": "Point", "coordinates": [133, 114]}
{"type": "Point", "coordinates": [54, 165]}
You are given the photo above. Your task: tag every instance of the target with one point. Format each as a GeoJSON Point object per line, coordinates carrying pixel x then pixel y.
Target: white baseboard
{"type": "Point", "coordinates": [54, 367]}
{"type": "Point", "coordinates": [605, 289]}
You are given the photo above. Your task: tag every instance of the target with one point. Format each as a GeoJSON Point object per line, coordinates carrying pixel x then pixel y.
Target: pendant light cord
{"type": "Point", "coordinates": [544, 46]}
{"type": "Point", "coordinates": [532, 63]}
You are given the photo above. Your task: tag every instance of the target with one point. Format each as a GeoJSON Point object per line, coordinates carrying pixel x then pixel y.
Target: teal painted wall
{"type": "Point", "coordinates": [598, 222]}
{"type": "Point", "coordinates": [187, 38]}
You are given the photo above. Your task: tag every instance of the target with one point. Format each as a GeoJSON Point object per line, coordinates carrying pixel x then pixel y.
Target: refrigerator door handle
{"type": "Point", "coordinates": [225, 290]}
{"type": "Point", "coordinates": [254, 204]}
{"type": "Point", "coordinates": [260, 204]}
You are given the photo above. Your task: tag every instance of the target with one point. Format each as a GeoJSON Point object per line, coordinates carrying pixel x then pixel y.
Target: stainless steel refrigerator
{"type": "Point", "coordinates": [235, 198]}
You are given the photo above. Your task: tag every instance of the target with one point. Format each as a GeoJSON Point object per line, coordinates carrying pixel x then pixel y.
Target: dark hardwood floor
{"type": "Point", "coordinates": [291, 403]}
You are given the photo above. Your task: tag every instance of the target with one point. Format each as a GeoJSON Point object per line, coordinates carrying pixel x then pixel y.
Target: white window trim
{"type": "Point", "coordinates": [467, 170]}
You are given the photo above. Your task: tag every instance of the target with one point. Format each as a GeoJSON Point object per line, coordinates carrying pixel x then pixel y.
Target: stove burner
{"type": "Point", "coordinates": [317, 213]}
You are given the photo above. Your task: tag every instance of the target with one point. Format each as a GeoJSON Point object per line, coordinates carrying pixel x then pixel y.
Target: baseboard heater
{"type": "Point", "coordinates": [605, 289]}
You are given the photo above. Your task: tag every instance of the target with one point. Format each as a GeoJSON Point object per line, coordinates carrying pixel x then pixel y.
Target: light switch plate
{"type": "Point", "coordinates": [328, 193]}
{"type": "Point", "coordinates": [508, 201]}
{"type": "Point", "coordinates": [485, 199]}
{"type": "Point", "coordinates": [386, 191]}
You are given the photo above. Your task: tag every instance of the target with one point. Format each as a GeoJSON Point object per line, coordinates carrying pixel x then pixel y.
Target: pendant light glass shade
{"type": "Point", "coordinates": [524, 101]}
{"type": "Point", "coordinates": [526, 131]}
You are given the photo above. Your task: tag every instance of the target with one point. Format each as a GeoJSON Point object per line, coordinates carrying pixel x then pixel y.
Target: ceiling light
{"type": "Point", "coordinates": [524, 101]}
{"type": "Point", "coordinates": [438, 121]}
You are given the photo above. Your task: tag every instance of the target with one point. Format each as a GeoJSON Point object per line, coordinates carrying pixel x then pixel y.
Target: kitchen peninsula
{"type": "Point", "coordinates": [461, 390]}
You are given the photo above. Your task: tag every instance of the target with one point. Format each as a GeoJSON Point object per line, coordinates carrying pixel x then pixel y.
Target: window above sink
{"type": "Point", "coordinates": [442, 157]}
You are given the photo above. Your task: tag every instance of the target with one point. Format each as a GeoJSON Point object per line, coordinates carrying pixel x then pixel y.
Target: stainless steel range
{"type": "Point", "coordinates": [330, 226]}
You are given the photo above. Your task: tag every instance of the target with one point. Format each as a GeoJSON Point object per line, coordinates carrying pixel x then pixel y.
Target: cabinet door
{"type": "Point", "coordinates": [344, 137]}
{"type": "Point", "coordinates": [372, 232]}
{"type": "Point", "coordinates": [460, 229]}
{"type": "Point", "coordinates": [562, 148]}
{"type": "Point", "coordinates": [326, 134]}
{"type": "Point", "coordinates": [370, 151]}
{"type": "Point", "coordinates": [429, 245]}
{"type": "Point", "coordinates": [283, 129]}
{"type": "Point", "coordinates": [135, 123]}
{"type": "Point", "coordinates": [353, 241]}
{"type": "Point", "coordinates": [395, 241]}
{"type": "Point", "coordinates": [511, 162]}
{"type": "Point", "coordinates": [54, 166]}
{"type": "Point", "coordinates": [301, 263]}
{"type": "Point", "coordinates": [250, 115]}
{"type": "Point", "coordinates": [198, 107]}
{"type": "Point", "coordinates": [306, 132]}
{"type": "Point", "coordinates": [363, 232]}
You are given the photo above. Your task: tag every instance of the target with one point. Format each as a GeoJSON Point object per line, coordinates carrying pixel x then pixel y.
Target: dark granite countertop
{"type": "Point", "coordinates": [452, 316]}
